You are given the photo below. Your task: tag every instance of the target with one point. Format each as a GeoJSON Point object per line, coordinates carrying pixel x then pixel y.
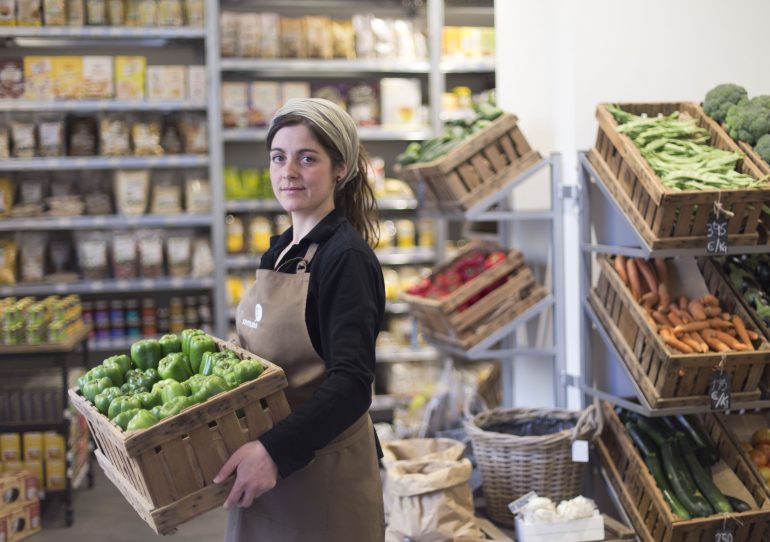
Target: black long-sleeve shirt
{"type": "Point", "coordinates": [344, 311]}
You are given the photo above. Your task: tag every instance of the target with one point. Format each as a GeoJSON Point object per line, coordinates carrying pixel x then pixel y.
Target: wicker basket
{"type": "Point", "coordinates": [512, 466]}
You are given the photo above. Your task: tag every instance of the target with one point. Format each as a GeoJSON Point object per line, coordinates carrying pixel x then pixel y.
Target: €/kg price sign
{"type": "Point", "coordinates": [716, 235]}
{"type": "Point", "coordinates": [719, 391]}
{"type": "Point", "coordinates": [724, 534]}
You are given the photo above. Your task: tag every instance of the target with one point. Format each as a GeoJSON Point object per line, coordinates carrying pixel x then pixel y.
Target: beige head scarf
{"type": "Point", "coordinates": [331, 120]}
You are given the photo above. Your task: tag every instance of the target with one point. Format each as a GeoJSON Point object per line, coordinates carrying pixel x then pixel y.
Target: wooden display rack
{"type": "Point", "coordinates": [665, 218]}
{"type": "Point", "coordinates": [443, 319]}
{"type": "Point", "coordinates": [166, 471]}
{"type": "Point", "coordinates": [672, 379]}
{"type": "Point", "coordinates": [483, 164]}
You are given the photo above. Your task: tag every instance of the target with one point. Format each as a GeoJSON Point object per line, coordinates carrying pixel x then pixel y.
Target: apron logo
{"type": "Point", "coordinates": [254, 324]}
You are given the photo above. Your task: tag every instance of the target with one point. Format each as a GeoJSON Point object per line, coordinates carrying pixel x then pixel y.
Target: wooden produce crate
{"type": "Point", "coordinates": [481, 165]}
{"type": "Point", "coordinates": [446, 319]}
{"type": "Point", "coordinates": [739, 428]}
{"type": "Point", "coordinates": [166, 471]}
{"type": "Point", "coordinates": [665, 377]}
{"type": "Point", "coordinates": [643, 501]}
{"type": "Point", "coordinates": [665, 218]}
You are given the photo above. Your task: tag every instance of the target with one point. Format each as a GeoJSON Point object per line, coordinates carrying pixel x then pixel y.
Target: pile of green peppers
{"type": "Point", "coordinates": [160, 378]}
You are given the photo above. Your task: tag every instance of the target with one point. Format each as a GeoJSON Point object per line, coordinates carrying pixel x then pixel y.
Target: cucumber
{"type": "Point", "coordinates": [737, 504]}
{"type": "Point", "coordinates": [705, 449]}
{"type": "Point", "coordinates": [702, 478]}
{"type": "Point", "coordinates": [683, 486]}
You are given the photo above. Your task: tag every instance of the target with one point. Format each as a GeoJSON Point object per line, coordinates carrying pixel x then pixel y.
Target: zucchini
{"type": "Point", "coordinates": [654, 429]}
{"type": "Point", "coordinates": [653, 463]}
{"type": "Point", "coordinates": [670, 424]}
{"type": "Point", "coordinates": [705, 449]}
{"type": "Point", "coordinates": [645, 444]}
{"type": "Point", "coordinates": [702, 478]}
{"type": "Point", "coordinates": [737, 504]}
{"type": "Point", "coordinates": [683, 486]}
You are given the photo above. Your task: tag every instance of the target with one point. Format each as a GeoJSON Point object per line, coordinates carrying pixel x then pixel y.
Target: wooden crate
{"type": "Point", "coordinates": [481, 165]}
{"type": "Point", "coordinates": [166, 471]}
{"type": "Point", "coordinates": [670, 379]}
{"type": "Point", "coordinates": [443, 319]}
{"type": "Point", "coordinates": [643, 501]}
{"type": "Point", "coordinates": [666, 218]}
{"type": "Point", "coordinates": [739, 427]}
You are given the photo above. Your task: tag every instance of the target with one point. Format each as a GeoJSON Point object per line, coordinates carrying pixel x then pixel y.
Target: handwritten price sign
{"type": "Point", "coordinates": [716, 233]}
{"type": "Point", "coordinates": [719, 391]}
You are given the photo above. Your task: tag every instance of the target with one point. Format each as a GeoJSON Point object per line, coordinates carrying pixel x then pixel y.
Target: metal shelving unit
{"type": "Point", "coordinates": [314, 67]}
{"type": "Point", "coordinates": [597, 201]}
{"type": "Point", "coordinates": [108, 286]}
{"type": "Point", "coordinates": [104, 162]}
{"type": "Point", "coordinates": [104, 32]}
{"type": "Point", "coordinates": [93, 106]}
{"type": "Point", "coordinates": [46, 223]}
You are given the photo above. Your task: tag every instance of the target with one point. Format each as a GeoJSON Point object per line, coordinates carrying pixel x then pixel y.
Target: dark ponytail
{"type": "Point", "coordinates": [356, 198]}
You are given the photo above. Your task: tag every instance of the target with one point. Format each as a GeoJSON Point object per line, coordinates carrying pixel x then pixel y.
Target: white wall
{"type": "Point", "coordinates": [558, 58]}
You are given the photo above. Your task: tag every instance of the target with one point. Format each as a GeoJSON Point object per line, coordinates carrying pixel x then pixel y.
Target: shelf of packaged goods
{"type": "Point", "coordinates": [60, 426]}
{"type": "Point", "coordinates": [248, 135]}
{"type": "Point", "coordinates": [104, 162]}
{"type": "Point", "coordinates": [315, 67]}
{"type": "Point", "coordinates": [242, 261]}
{"type": "Point", "coordinates": [103, 32]}
{"type": "Point", "coordinates": [88, 106]}
{"type": "Point", "coordinates": [406, 354]}
{"type": "Point", "coordinates": [396, 307]}
{"type": "Point", "coordinates": [413, 256]}
{"type": "Point", "coordinates": [641, 405]}
{"type": "Point", "coordinates": [253, 206]}
{"type": "Point", "coordinates": [48, 223]}
{"type": "Point", "coordinates": [641, 249]}
{"type": "Point", "coordinates": [109, 286]}
{"type": "Point", "coordinates": [69, 345]}
{"type": "Point", "coordinates": [470, 65]}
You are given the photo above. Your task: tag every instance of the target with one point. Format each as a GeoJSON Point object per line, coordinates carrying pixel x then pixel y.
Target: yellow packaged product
{"type": "Point", "coordinates": [260, 231]}
{"type": "Point", "coordinates": [390, 277]}
{"type": "Point", "coordinates": [98, 79]}
{"type": "Point", "coordinates": [36, 468]}
{"type": "Point", "coordinates": [235, 290]}
{"type": "Point", "coordinates": [7, 13]}
{"type": "Point", "coordinates": [405, 232]}
{"type": "Point", "coordinates": [76, 13]}
{"type": "Point", "coordinates": [29, 12]}
{"type": "Point", "coordinates": [170, 13]}
{"type": "Point", "coordinates": [55, 12]}
{"type": "Point", "coordinates": [6, 195]}
{"type": "Point", "coordinates": [234, 227]}
{"type": "Point", "coordinates": [68, 77]}
{"type": "Point", "coordinates": [38, 78]}
{"type": "Point", "coordinates": [33, 446]}
{"type": "Point", "coordinates": [10, 467]}
{"type": "Point", "coordinates": [129, 77]}
{"type": "Point", "coordinates": [10, 447]}
{"type": "Point", "coordinates": [55, 474]}
{"type": "Point", "coordinates": [53, 445]}
{"type": "Point", "coordinates": [116, 12]}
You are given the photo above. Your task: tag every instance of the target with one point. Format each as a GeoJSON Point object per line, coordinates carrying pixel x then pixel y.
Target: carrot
{"type": "Point", "coordinates": [710, 300]}
{"type": "Point", "coordinates": [740, 329]}
{"type": "Point", "coordinates": [712, 312]}
{"type": "Point", "coordinates": [713, 342]}
{"type": "Point", "coordinates": [686, 317]}
{"type": "Point", "coordinates": [696, 309]}
{"type": "Point", "coordinates": [691, 342]}
{"type": "Point", "coordinates": [683, 302]}
{"type": "Point", "coordinates": [673, 342]}
{"type": "Point", "coordinates": [718, 323]}
{"type": "Point", "coordinates": [692, 326]}
{"type": "Point", "coordinates": [620, 267]}
{"type": "Point", "coordinates": [726, 316]}
{"type": "Point", "coordinates": [732, 342]}
{"type": "Point", "coordinates": [697, 336]}
{"type": "Point", "coordinates": [662, 319]}
{"type": "Point", "coordinates": [660, 267]}
{"type": "Point", "coordinates": [732, 332]}
{"type": "Point", "coordinates": [675, 318]}
{"type": "Point", "coordinates": [650, 319]}
{"type": "Point", "coordinates": [648, 274]}
{"type": "Point", "coordinates": [753, 335]}
{"type": "Point", "coordinates": [649, 300]}
{"type": "Point", "coordinates": [633, 279]}
{"type": "Point", "coordinates": [664, 295]}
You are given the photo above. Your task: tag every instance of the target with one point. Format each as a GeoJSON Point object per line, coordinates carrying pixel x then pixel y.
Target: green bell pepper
{"type": "Point", "coordinates": [174, 407]}
{"type": "Point", "coordinates": [121, 419]}
{"type": "Point", "coordinates": [174, 389]}
{"type": "Point", "coordinates": [175, 366]}
{"type": "Point", "coordinates": [223, 365]}
{"type": "Point", "coordinates": [188, 334]}
{"type": "Point", "coordinates": [145, 379]}
{"type": "Point", "coordinates": [195, 383]}
{"type": "Point", "coordinates": [123, 361]}
{"type": "Point", "coordinates": [169, 344]}
{"type": "Point", "coordinates": [243, 371]}
{"type": "Point", "coordinates": [95, 387]}
{"type": "Point", "coordinates": [115, 370]}
{"type": "Point", "coordinates": [145, 354]}
{"type": "Point", "coordinates": [88, 377]}
{"type": "Point", "coordinates": [155, 411]}
{"type": "Point", "coordinates": [148, 399]}
{"type": "Point", "coordinates": [132, 388]}
{"type": "Point", "coordinates": [111, 371]}
{"type": "Point", "coordinates": [199, 344]}
{"type": "Point", "coordinates": [141, 420]}
{"type": "Point", "coordinates": [211, 385]}
{"type": "Point", "coordinates": [104, 398]}
{"type": "Point", "coordinates": [209, 360]}
{"type": "Point", "coordinates": [121, 404]}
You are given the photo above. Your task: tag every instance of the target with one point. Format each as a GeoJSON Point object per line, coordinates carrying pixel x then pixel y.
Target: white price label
{"type": "Point", "coordinates": [580, 451]}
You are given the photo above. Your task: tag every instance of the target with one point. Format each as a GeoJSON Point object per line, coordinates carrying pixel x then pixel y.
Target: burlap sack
{"type": "Point", "coordinates": [431, 501]}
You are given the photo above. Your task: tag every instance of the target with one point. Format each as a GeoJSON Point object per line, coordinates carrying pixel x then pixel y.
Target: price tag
{"type": "Point", "coordinates": [719, 391]}
{"type": "Point", "coordinates": [716, 233]}
{"type": "Point", "coordinates": [580, 451]}
{"type": "Point", "coordinates": [724, 534]}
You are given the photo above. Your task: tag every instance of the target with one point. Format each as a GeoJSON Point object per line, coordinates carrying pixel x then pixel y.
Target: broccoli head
{"type": "Point", "coordinates": [763, 147]}
{"type": "Point", "coordinates": [750, 119]}
{"type": "Point", "coordinates": [720, 98]}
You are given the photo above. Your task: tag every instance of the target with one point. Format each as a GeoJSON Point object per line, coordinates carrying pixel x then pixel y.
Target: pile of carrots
{"type": "Point", "coordinates": [689, 326]}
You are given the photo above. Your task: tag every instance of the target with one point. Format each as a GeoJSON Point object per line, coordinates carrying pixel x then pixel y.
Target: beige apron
{"type": "Point", "coordinates": [338, 496]}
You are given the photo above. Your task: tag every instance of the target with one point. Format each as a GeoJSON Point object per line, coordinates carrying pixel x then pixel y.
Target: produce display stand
{"type": "Point", "coordinates": [166, 471]}
{"type": "Point", "coordinates": [58, 354]}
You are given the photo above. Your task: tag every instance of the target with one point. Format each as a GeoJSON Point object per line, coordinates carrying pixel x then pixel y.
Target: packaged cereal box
{"type": "Point", "coordinates": [129, 77]}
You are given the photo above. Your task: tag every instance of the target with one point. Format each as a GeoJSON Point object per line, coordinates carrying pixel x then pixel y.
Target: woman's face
{"type": "Point", "coordinates": [302, 173]}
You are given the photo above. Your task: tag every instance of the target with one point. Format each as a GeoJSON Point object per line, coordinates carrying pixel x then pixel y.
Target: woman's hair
{"type": "Point", "coordinates": [355, 198]}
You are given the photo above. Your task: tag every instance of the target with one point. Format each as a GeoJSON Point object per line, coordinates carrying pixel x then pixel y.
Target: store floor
{"type": "Point", "coordinates": [101, 513]}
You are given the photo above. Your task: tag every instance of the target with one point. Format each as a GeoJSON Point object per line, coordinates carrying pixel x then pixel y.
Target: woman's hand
{"type": "Point", "coordinates": [256, 474]}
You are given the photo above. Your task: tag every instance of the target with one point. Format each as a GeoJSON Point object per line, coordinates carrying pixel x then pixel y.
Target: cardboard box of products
{"type": "Point", "coordinates": [38, 78]}
{"type": "Point", "coordinates": [68, 77]}
{"type": "Point", "coordinates": [98, 77]}
{"type": "Point", "coordinates": [130, 77]}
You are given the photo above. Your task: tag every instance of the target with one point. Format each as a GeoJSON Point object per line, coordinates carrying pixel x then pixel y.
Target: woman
{"type": "Point", "coordinates": [315, 309]}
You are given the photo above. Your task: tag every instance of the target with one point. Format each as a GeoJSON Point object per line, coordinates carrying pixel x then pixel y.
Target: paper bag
{"type": "Point", "coordinates": [431, 501]}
